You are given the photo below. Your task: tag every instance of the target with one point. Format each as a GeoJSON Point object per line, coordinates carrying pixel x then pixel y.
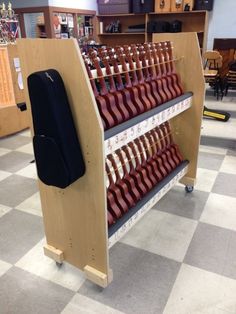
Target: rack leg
{"type": "Point", "coordinates": [53, 253]}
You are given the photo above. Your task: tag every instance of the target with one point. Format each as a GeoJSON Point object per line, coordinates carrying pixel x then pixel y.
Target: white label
{"type": "Point", "coordinates": [143, 127]}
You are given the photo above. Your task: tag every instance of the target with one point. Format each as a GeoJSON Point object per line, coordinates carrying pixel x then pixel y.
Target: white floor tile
{"type": "Point", "coordinates": [31, 205]}
{"type": "Point", "coordinates": [4, 209]}
{"type": "Point", "coordinates": [163, 234]}
{"type": "Point", "coordinates": [4, 175]}
{"type": "Point", "coordinates": [227, 104]}
{"type": "Point", "coordinates": [220, 210]}
{"type": "Point", "coordinates": [199, 291]}
{"type": "Point", "coordinates": [212, 150]}
{"type": "Point", "coordinates": [229, 165]}
{"type": "Point", "coordinates": [37, 263]}
{"type": "Point", "coordinates": [4, 151]}
{"type": "Point", "coordinates": [84, 305]}
{"type": "Point", "coordinates": [28, 172]}
{"type": "Point", "coordinates": [205, 179]}
{"type": "Point", "coordinates": [219, 129]}
{"type": "Point", "coordinates": [4, 267]}
{"type": "Point", "coordinates": [228, 295]}
{"type": "Point", "coordinates": [28, 149]}
{"type": "Point", "coordinates": [26, 133]}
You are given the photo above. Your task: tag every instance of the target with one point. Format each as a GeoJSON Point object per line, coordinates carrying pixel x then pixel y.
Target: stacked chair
{"type": "Point", "coordinates": [230, 80]}
{"type": "Point", "coordinates": [212, 65]}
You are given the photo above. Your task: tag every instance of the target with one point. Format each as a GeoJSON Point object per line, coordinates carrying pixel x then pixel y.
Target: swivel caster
{"type": "Point", "coordinates": [59, 264]}
{"type": "Point", "coordinates": [189, 188]}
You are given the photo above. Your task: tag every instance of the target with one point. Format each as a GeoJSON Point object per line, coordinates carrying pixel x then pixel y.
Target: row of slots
{"type": "Point", "coordinates": [136, 168]}
{"type": "Point", "coordinates": [137, 79]}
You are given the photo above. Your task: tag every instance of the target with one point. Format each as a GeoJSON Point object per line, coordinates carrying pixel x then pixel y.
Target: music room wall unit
{"type": "Point", "coordinates": [192, 21]}
{"type": "Point", "coordinates": [12, 119]}
{"type": "Point", "coordinates": [76, 219]}
{"type": "Point", "coordinates": [56, 22]}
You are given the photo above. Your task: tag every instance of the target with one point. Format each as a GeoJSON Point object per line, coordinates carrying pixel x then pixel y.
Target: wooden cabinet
{"type": "Point", "coordinates": [75, 218]}
{"type": "Point", "coordinates": [126, 35]}
{"type": "Point", "coordinates": [162, 6]}
{"type": "Point", "coordinates": [192, 21]}
{"type": "Point", "coordinates": [176, 6]}
{"type": "Point", "coordinates": [56, 22]}
{"type": "Point", "coordinates": [11, 118]}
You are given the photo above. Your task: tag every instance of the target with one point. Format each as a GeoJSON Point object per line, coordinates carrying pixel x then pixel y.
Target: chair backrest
{"type": "Point", "coordinates": [231, 77]}
{"type": "Point", "coordinates": [213, 60]}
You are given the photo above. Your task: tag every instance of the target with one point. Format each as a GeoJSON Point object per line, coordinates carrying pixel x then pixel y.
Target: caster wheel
{"type": "Point", "coordinates": [189, 188]}
{"type": "Point", "coordinates": [58, 264]}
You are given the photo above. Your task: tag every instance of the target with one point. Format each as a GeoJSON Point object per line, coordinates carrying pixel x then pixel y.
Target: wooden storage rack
{"type": "Point", "coordinates": [75, 218]}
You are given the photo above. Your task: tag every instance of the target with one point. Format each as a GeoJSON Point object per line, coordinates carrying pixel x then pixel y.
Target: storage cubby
{"type": "Point", "coordinates": [125, 20]}
{"type": "Point", "coordinates": [75, 218]}
{"type": "Point", "coordinates": [192, 21]}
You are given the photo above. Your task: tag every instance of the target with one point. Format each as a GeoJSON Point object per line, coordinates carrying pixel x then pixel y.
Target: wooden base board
{"type": "Point", "coordinates": [98, 277]}
{"type": "Point", "coordinates": [53, 253]}
{"type": "Point", "coordinates": [188, 181]}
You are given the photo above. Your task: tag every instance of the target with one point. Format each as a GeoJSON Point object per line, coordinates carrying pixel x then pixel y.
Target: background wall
{"type": "Point", "coordinates": [222, 21]}
{"type": "Point", "coordinates": [27, 3]}
{"type": "Point", "coordinates": [76, 4]}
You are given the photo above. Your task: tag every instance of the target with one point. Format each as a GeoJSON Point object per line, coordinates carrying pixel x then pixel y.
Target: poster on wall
{"type": "Point", "coordinates": [70, 21]}
{"type": "Point", "coordinates": [57, 25]}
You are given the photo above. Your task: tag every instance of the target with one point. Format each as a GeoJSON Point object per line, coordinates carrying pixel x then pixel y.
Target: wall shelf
{"type": "Point", "coordinates": [120, 34]}
{"type": "Point", "coordinates": [128, 14]}
{"type": "Point", "coordinates": [192, 21]}
{"type": "Point", "coordinates": [194, 12]}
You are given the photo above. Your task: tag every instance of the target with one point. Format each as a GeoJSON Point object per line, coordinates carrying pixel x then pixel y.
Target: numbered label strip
{"type": "Point", "coordinates": [141, 128]}
{"type": "Point", "coordinates": [139, 214]}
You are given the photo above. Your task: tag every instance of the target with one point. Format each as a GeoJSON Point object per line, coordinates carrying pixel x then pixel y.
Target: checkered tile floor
{"type": "Point", "coordinates": [180, 258]}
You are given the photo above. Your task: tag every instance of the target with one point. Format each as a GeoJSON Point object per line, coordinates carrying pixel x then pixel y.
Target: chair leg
{"type": "Point", "coordinates": [226, 89]}
{"type": "Point", "coordinates": [217, 90]}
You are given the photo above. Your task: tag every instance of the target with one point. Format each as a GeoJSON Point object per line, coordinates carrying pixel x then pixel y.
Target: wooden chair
{"type": "Point", "coordinates": [212, 64]}
{"type": "Point", "coordinates": [230, 79]}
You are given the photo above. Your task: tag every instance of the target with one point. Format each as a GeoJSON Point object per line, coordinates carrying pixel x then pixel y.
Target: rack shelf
{"type": "Point", "coordinates": [133, 128]}
{"type": "Point", "coordinates": [75, 219]}
{"type": "Point", "coordinates": [126, 222]}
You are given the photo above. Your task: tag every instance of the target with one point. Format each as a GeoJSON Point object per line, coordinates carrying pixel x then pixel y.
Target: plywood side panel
{"type": "Point", "coordinates": [74, 218]}
{"type": "Point", "coordinates": [187, 126]}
